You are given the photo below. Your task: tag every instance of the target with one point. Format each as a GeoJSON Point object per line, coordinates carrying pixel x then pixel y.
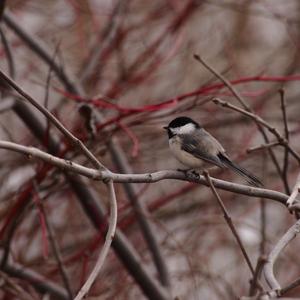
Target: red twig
{"type": "Point", "coordinates": [37, 201]}
{"type": "Point", "coordinates": [133, 137]}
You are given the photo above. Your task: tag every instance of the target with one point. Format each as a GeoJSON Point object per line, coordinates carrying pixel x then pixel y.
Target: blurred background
{"type": "Point", "coordinates": [132, 63]}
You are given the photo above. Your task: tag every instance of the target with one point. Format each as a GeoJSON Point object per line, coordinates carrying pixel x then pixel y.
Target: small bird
{"type": "Point", "coordinates": [191, 145]}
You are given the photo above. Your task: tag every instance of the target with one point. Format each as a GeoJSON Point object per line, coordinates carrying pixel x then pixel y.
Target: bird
{"type": "Point", "coordinates": [192, 145]}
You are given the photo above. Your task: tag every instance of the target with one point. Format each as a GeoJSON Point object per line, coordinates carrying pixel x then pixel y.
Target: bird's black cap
{"type": "Point", "coordinates": [181, 121]}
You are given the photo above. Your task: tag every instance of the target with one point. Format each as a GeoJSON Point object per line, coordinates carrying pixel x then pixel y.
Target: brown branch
{"type": "Point", "coordinates": [286, 135]}
{"type": "Point", "coordinates": [38, 281]}
{"type": "Point", "coordinates": [41, 50]}
{"type": "Point", "coordinates": [12, 287]}
{"type": "Point", "coordinates": [263, 147]}
{"type": "Point", "coordinates": [261, 121]}
{"type": "Point", "coordinates": [290, 286]}
{"type": "Point", "coordinates": [9, 56]}
{"type": "Point", "coordinates": [53, 243]}
{"type": "Point", "coordinates": [224, 80]}
{"type": "Point", "coordinates": [258, 269]}
{"type": "Point", "coordinates": [6, 80]}
{"type": "Point", "coordinates": [229, 221]}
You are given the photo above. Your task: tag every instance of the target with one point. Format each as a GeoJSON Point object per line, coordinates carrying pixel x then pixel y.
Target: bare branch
{"type": "Point", "coordinates": [4, 78]}
{"type": "Point", "coordinates": [261, 121]}
{"type": "Point", "coordinates": [14, 288]}
{"type": "Point", "coordinates": [286, 135]}
{"type": "Point", "coordinates": [229, 222]}
{"type": "Point", "coordinates": [38, 281]}
{"type": "Point", "coordinates": [290, 286]}
{"type": "Point", "coordinates": [294, 193]}
{"type": "Point", "coordinates": [53, 243]}
{"type": "Point", "coordinates": [108, 240]}
{"type": "Point", "coordinates": [224, 80]}
{"type": "Point", "coordinates": [7, 49]}
{"type": "Point", "coordinates": [281, 244]}
{"type": "Point", "coordinates": [259, 267]}
{"type": "Point", "coordinates": [67, 165]}
{"type": "Point", "coordinates": [40, 49]}
{"type": "Point", "coordinates": [263, 147]}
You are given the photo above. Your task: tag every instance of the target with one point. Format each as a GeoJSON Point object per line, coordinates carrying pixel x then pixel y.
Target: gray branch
{"type": "Point", "coordinates": [282, 243]}
{"type": "Point", "coordinates": [67, 165]}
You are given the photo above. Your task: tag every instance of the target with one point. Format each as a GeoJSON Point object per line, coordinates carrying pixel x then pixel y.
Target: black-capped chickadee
{"type": "Point", "coordinates": [191, 145]}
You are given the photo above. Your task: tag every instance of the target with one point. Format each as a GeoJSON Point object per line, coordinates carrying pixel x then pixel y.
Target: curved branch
{"type": "Point", "coordinates": [294, 193]}
{"type": "Point", "coordinates": [68, 165]}
{"type": "Point", "coordinates": [282, 243]}
{"type": "Point", "coordinates": [108, 240]}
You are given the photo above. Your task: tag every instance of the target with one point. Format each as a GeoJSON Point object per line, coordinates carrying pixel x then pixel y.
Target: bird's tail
{"type": "Point", "coordinates": [250, 178]}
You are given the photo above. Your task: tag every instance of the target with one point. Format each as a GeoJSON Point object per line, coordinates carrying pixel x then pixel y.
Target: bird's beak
{"type": "Point", "coordinates": [165, 127]}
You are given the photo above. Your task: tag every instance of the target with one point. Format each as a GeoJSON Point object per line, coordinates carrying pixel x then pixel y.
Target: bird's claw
{"type": "Point", "coordinates": [189, 172]}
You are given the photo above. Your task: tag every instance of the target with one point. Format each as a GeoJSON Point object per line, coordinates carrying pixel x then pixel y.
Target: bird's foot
{"type": "Point", "coordinates": [189, 172]}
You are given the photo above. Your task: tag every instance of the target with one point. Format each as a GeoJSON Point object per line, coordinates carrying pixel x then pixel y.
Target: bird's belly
{"type": "Point", "coordinates": [184, 157]}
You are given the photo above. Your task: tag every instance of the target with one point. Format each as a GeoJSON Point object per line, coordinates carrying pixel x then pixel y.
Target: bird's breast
{"type": "Point", "coordinates": [184, 157]}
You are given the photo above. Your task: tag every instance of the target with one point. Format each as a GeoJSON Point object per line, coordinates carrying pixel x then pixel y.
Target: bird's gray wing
{"type": "Point", "coordinates": [203, 146]}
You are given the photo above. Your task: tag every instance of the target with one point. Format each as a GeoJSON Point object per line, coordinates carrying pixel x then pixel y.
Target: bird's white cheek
{"type": "Point", "coordinates": [184, 157]}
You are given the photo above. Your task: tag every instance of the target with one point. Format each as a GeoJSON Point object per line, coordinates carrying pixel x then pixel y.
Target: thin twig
{"type": "Point", "coordinates": [263, 147]}
{"type": "Point", "coordinates": [12, 287]}
{"type": "Point", "coordinates": [263, 215]}
{"type": "Point", "coordinates": [108, 240]}
{"type": "Point", "coordinates": [229, 221]}
{"type": "Point", "coordinates": [68, 165]}
{"type": "Point", "coordinates": [224, 80]}
{"type": "Point", "coordinates": [54, 245]}
{"type": "Point", "coordinates": [295, 192]}
{"type": "Point", "coordinates": [10, 234]}
{"type": "Point", "coordinates": [41, 50]}
{"type": "Point", "coordinates": [281, 244]}
{"type": "Point", "coordinates": [54, 120]}
{"type": "Point", "coordinates": [107, 36]}
{"type": "Point", "coordinates": [258, 269]}
{"type": "Point", "coordinates": [10, 59]}
{"type": "Point", "coordinates": [290, 286]}
{"type": "Point", "coordinates": [261, 121]}
{"type": "Point", "coordinates": [246, 107]}
{"type": "Point", "coordinates": [286, 135]}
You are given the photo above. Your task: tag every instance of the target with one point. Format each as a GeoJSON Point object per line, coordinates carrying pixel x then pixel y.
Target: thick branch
{"type": "Point", "coordinates": [282, 243]}
{"type": "Point", "coordinates": [67, 165]}
{"type": "Point", "coordinates": [41, 283]}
